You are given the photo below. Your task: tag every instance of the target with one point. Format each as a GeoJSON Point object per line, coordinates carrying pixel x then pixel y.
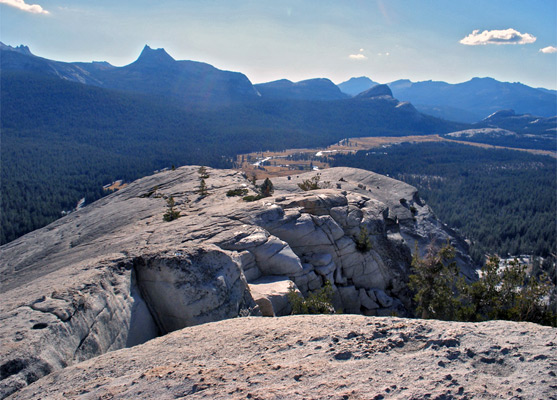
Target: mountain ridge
{"type": "Point", "coordinates": [309, 89]}
{"type": "Point", "coordinates": [469, 101]}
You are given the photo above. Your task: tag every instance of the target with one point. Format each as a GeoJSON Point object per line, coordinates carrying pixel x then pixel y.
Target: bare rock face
{"type": "Point", "coordinates": [115, 274]}
{"type": "Point", "coordinates": [321, 357]}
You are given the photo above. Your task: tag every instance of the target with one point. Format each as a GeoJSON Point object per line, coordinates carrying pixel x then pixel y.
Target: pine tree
{"type": "Point", "coordinates": [267, 188]}
{"type": "Point", "coordinates": [171, 214]}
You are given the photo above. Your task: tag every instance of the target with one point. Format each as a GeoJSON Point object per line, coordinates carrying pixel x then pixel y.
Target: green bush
{"type": "Point", "coordinates": [502, 291]}
{"type": "Point", "coordinates": [202, 171]}
{"type": "Point", "coordinates": [202, 191]}
{"type": "Point", "coordinates": [434, 282]}
{"type": "Point", "coordinates": [507, 292]}
{"type": "Point", "coordinates": [363, 244]}
{"type": "Point", "coordinates": [311, 184]}
{"type": "Point", "coordinates": [252, 197]}
{"type": "Point", "coordinates": [318, 302]}
{"type": "Point", "coordinates": [237, 192]}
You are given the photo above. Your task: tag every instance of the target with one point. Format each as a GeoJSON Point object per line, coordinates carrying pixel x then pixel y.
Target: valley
{"type": "Point", "coordinates": [267, 164]}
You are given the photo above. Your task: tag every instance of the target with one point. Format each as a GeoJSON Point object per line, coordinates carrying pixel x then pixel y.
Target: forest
{"type": "Point", "coordinates": [503, 200]}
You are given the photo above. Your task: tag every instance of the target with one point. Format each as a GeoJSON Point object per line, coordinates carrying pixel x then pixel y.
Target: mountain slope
{"type": "Point", "coordinates": [188, 82]}
{"type": "Point", "coordinates": [354, 86]}
{"type": "Point", "coordinates": [116, 273]}
{"type": "Point", "coordinates": [311, 89]}
{"type": "Point", "coordinates": [21, 59]}
{"type": "Point", "coordinates": [522, 123]}
{"type": "Point", "coordinates": [155, 73]}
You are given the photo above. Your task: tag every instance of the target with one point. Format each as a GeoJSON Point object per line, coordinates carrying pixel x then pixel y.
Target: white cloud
{"type": "Point", "coordinates": [32, 8]}
{"type": "Point", "coordinates": [505, 36]}
{"type": "Point", "coordinates": [549, 49]}
{"type": "Point", "coordinates": [357, 57]}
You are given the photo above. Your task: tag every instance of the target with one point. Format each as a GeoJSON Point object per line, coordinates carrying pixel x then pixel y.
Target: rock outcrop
{"type": "Point", "coordinates": [322, 357]}
{"type": "Point", "coordinates": [115, 274]}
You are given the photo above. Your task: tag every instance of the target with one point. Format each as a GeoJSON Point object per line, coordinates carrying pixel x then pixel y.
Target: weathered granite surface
{"type": "Point", "coordinates": [114, 274]}
{"type": "Point", "coordinates": [321, 357]}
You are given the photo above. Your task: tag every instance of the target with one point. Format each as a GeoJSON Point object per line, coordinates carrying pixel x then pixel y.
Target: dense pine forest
{"type": "Point", "coordinates": [503, 200]}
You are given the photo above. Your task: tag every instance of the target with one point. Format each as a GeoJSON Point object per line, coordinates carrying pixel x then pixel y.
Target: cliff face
{"type": "Point", "coordinates": [114, 274]}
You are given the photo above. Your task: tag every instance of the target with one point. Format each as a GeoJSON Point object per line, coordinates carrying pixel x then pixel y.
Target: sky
{"type": "Point", "coordinates": [385, 40]}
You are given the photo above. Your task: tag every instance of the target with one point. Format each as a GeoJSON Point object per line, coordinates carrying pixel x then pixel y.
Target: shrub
{"type": "Point", "coordinates": [237, 192]}
{"type": "Point", "coordinates": [434, 281]}
{"type": "Point", "coordinates": [202, 188]}
{"type": "Point", "coordinates": [310, 184]}
{"type": "Point", "coordinates": [318, 302]}
{"type": "Point", "coordinates": [507, 292]}
{"type": "Point", "coordinates": [363, 244]}
{"type": "Point", "coordinates": [502, 291]}
{"type": "Point", "coordinates": [252, 197]}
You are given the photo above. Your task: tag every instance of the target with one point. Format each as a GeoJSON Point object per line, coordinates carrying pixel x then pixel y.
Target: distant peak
{"type": "Point", "coordinates": [154, 56]}
{"type": "Point", "coordinates": [485, 78]}
{"type": "Point", "coordinates": [501, 114]}
{"type": "Point", "coordinates": [376, 91]}
{"type": "Point", "coordinates": [19, 49]}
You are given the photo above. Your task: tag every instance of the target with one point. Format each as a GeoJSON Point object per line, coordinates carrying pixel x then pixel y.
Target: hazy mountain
{"type": "Point", "coordinates": [21, 59]}
{"type": "Point", "coordinates": [354, 86]}
{"type": "Point", "coordinates": [522, 123]}
{"type": "Point", "coordinates": [155, 72]}
{"type": "Point", "coordinates": [375, 91]}
{"type": "Point", "coordinates": [474, 100]}
{"type": "Point", "coordinates": [311, 89]}
{"type": "Point", "coordinates": [449, 113]}
{"type": "Point", "coordinates": [189, 82]}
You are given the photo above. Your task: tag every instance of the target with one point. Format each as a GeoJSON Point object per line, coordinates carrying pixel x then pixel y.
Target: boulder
{"type": "Point", "coordinates": [350, 299]}
{"type": "Point", "coordinates": [271, 295]}
{"type": "Point", "coordinates": [383, 299]}
{"type": "Point", "coordinates": [198, 285]}
{"type": "Point", "coordinates": [275, 257]}
{"type": "Point", "coordinates": [366, 300]}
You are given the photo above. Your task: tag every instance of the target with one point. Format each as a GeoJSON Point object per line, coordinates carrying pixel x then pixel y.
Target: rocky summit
{"type": "Point", "coordinates": [125, 270]}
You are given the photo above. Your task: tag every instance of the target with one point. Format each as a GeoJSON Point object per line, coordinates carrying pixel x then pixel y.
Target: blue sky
{"type": "Point", "coordinates": [385, 40]}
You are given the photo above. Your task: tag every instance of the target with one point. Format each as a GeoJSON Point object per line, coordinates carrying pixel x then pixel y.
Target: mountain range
{"type": "Point", "coordinates": [155, 72]}
{"type": "Point", "coordinates": [469, 101]}
{"type": "Point", "coordinates": [202, 86]}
